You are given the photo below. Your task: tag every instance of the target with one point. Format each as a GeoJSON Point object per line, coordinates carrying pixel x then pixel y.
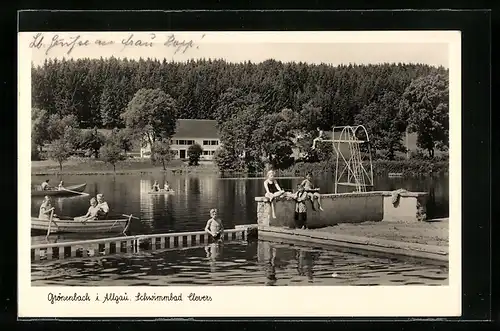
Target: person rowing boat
{"type": "Point", "coordinates": [46, 208]}
{"type": "Point", "coordinates": [45, 185]}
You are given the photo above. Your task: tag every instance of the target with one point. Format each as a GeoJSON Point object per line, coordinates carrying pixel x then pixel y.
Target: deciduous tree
{"type": "Point", "coordinates": [39, 132]}
{"type": "Point", "coordinates": [425, 106]}
{"type": "Point", "coordinates": [194, 152]}
{"type": "Point", "coordinates": [93, 140]}
{"type": "Point", "coordinates": [151, 113]}
{"type": "Point", "coordinates": [384, 123]}
{"type": "Point", "coordinates": [60, 151]}
{"type": "Point", "coordinates": [161, 152]}
{"type": "Point", "coordinates": [112, 152]}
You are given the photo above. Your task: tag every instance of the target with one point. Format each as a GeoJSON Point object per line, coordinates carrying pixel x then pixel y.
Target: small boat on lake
{"type": "Point", "coordinates": [60, 224]}
{"type": "Point", "coordinates": [162, 192]}
{"type": "Point", "coordinates": [65, 191]}
{"type": "Point", "coordinates": [395, 174]}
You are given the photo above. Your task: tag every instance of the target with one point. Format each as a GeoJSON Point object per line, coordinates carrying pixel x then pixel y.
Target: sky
{"type": "Point", "coordinates": [240, 47]}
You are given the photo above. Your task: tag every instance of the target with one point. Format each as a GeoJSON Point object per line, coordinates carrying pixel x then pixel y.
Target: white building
{"type": "Point", "coordinates": [188, 132]}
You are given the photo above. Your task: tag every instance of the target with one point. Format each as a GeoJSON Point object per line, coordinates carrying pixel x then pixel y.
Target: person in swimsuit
{"type": "Point", "coordinates": [319, 138]}
{"type": "Point", "coordinates": [312, 192]}
{"type": "Point", "coordinates": [273, 190]}
{"type": "Point", "coordinates": [214, 226]}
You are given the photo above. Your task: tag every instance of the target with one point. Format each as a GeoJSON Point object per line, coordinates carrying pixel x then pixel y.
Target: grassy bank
{"type": "Point", "coordinates": [91, 166]}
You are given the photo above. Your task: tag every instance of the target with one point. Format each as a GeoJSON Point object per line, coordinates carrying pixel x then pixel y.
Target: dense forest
{"type": "Point", "coordinates": [387, 98]}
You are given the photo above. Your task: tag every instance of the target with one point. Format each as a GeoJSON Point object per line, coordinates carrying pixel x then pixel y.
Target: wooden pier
{"type": "Point", "coordinates": [133, 244]}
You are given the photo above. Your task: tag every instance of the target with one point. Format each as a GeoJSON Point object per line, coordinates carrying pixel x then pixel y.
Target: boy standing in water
{"type": "Point", "coordinates": [214, 226]}
{"type": "Point", "coordinates": [300, 207]}
{"type": "Point", "coordinates": [312, 192]}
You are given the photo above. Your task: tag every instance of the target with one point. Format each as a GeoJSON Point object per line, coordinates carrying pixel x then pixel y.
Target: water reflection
{"type": "Point", "coordinates": [243, 263]}
{"type": "Point", "coordinates": [214, 252]}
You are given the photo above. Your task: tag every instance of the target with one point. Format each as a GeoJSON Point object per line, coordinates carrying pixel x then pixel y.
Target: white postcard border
{"type": "Point", "coordinates": [248, 301]}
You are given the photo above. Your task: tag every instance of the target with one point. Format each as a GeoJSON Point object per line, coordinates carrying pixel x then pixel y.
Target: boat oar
{"type": "Point", "coordinates": [137, 218]}
{"type": "Point", "coordinates": [50, 222]}
{"type": "Point", "coordinates": [71, 191]}
{"type": "Point", "coordinates": [128, 222]}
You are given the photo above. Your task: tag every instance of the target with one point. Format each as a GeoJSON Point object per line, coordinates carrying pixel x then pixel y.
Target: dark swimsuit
{"type": "Point", "coordinates": [272, 187]}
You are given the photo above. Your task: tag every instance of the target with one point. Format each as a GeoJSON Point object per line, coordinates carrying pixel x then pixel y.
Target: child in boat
{"type": "Point", "coordinates": [300, 216]}
{"type": "Point", "coordinates": [102, 207]}
{"type": "Point", "coordinates": [92, 213]}
{"type": "Point", "coordinates": [214, 226]}
{"type": "Point", "coordinates": [156, 186]}
{"type": "Point", "coordinates": [273, 190]}
{"type": "Point", "coordinates": [312, 192]}
{"type": "Point", "coordinates": [46, 208]}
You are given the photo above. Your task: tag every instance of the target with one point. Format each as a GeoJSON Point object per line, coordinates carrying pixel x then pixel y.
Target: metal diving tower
{"type": "Point", "coordinates": [353, 166]}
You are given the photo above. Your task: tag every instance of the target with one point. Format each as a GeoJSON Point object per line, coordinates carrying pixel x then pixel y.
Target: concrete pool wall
{"type": "Point", "coordinates": [347, 208]}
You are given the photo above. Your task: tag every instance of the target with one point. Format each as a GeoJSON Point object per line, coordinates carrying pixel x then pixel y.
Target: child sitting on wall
{"type": "Point", "coordinates": [312, 192]}
{"type": "Point", "coordinates": [273, 190]}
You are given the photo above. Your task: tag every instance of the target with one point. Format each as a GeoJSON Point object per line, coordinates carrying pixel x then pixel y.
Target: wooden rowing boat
{"type": "Point", "coordinates": [75, 225]}
{"type": "Point", "coordinates": [65, 191]}
{"type": "Point", "coordinates": [162, 192]}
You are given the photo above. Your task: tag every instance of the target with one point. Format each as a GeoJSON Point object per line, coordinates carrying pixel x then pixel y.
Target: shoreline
{"type": "Point", "coordinates": [86, 166]}
{"type": "Point", "coordinates": [426, 240]}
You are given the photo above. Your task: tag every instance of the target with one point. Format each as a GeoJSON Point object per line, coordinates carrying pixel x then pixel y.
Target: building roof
{"type": "Point", "coordinates": [188, 128]}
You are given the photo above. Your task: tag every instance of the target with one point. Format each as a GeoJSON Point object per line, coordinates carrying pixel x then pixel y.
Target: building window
{"type": "Point", "coordinates": [185, 142]}
{"type": "Point", "coordinates": [214, 142]}
{"type": "Point", "coordinates": [206, 142]}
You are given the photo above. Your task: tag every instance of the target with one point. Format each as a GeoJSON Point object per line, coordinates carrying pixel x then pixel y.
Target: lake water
{"type": "Point", "coordinates": [243, 263]}
{"type": "Point", "coordinates": [250, 263]}
{"type": "Point", "coordinates": [188, 208]}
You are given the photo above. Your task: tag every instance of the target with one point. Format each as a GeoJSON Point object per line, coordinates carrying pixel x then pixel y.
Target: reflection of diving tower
{"type": "Point", "coordinates": [353, 157]}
